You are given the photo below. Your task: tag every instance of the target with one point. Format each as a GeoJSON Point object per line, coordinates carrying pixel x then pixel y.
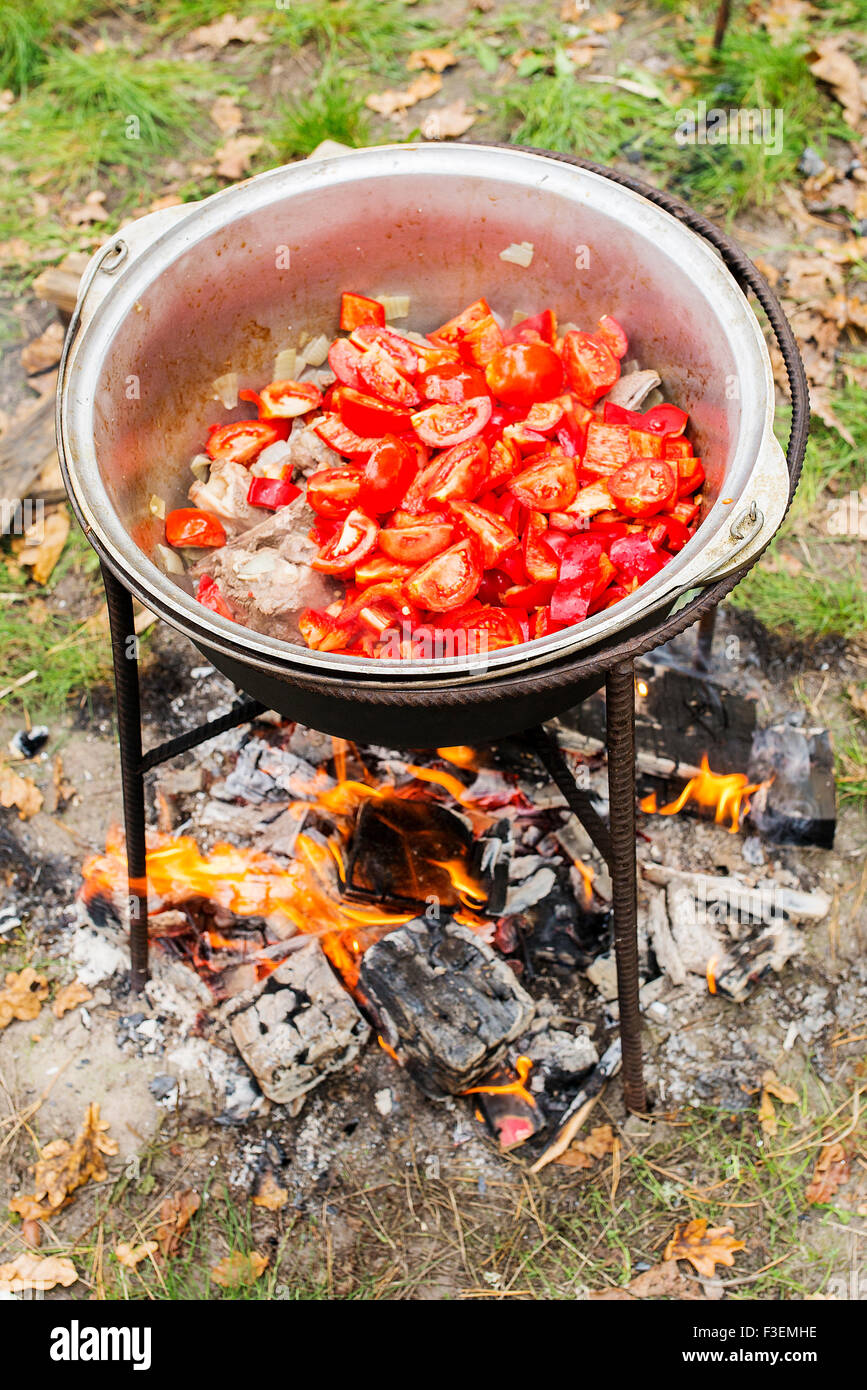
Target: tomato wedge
{"type": "Point", "coordinates": [591, 367]}
{"type": "Point", "coordinates": [452, 381]}
{"type": "Point", "coordinates": [524, 373]}
{"type": "Point", "coordinates": [459, 473]}
{"type": "Point", "coordinates": [549, 485]}
{"type": "Point", "coordinates": [379, 569]}
{"type": "Point", "coordinates": [612, 335]}
{"type": "Point", "coordinates": [448, 580]}
{"type": "Point", "coordinates": [643, 487]}
{"type": "Point", "coordinates": [504, 462]}
{"type": "Point", "coordinates": [457, 328]}
{"type": "Point", "coordinates": [244, 440]}
{"type": "Point", "coordinates": [349, 545]}
{"type": "Point", "coordinates": [545, 324]}
{"type": "Point", "coordinates": [356, 309]}
{"type": "Point", "coordinates": [690, 474]}
{"type": "Point", "coordinates": [388, 472]}
{"type": "Point", "coordinates": [283, 400]}
{"type": "Point", "coordinates": [411, 545]}
{"type": "Point", "coordinates": [335, 434]}
{"type": "Point", "coordinates": [403, 351]}
{"type": "Point", "coordinates": [492, 628]}
{"type": "Point", "coordinates": [271, 492]}
{"type": "Point", "coordinates": [343, 359]}
{"type": "Point", "coordinates": [322, 632]}
{"type": "Point", "coordinates": [494, 536]}
{"type": "Point", "coordinates": [209, 596]}
{"type": "Point", "coordinates": [382, 378]}
{"type": "Point", "coordinates": [540, 562]}
{"type": "Point", "coordinates": [449, 422]}
{"type": "Point", "coordinates": [482, 342]}
{"type": "Point", "coordinates": [636, 558]}
{"type": "Point", "coordinates": [189, 526]}
{"type": "Point", "coordinates": [334, 491]}
{"type": "Point", "coordinates": [365, 415]}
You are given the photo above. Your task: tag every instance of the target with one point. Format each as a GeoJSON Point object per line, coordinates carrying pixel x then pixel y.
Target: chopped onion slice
{"type": "Point", "coordinates": [200, 468]}
{"type": "Point", "coordinates": [316, 351]}
{"type": "Point", "coordinates": [169, 559]}
{"type": "Point", "coordinates": [519, 253]}
{"type": "Point", "coordinates": [396, 306]}
{"type": "Point", "coordinates": [157, 506]}
{"type": "Point", "coordinates": [284, 364]}
{"type": "Point", "coordinates": [226, 390]}
{"type": "Point", "coordinates": [517, 317]}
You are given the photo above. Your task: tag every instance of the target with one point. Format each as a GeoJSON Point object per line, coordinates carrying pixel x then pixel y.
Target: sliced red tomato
{"type": "Point", "coordinates": [503, 463]}
{"type": "Point", "coordinates": [545, 416]}
{"type": "Point", "coordinates": [686, 510]}
{"type": "Point", "coordinates": [402, 351]}
{"type": "Point", "coordinates": [527, 596]}
{"type": "Point", "coordinates": [356, 309]}
{"type": "Point", "coordinates": [321, 631]}
{"type": "Point", "coordinates": [690, 474]}
{"type": "Point", "coordinates": [189, 526]}
{"type": "Point", "coordinates": [335, 434]}
{"type": "Point", "coordinates": [591, 367]}
{"type": "Point", "coordinates": [333, 492]}
{"type": "Point", "coordinates": [540, 562]}
{"type": "Point", "coordinates": [379, 569]}
{"type": "Point", "coordinates": [343, 359]}
{"type": "Point", "coordinates": [549, 485]}
{"type": "Point", "coordinates": [482, 342]}
{"type": "Point", "coordinates": [349, 545]}
{"type": "Point", "coordinates": [613, 335]}
{"type": "Point", "coordinates": [448, 422]}
{"type": "Point", "coordinates": [367, 416]}
{"type": "Point", "coordinates": [388, 472]}
{"type": "Point", "coordinates": [545, 324]}
{"type": "Point", "coordinates": [576, 419]}
{"type": "Point", "coordinates": [676, 447]}
{"type": "Point", "coordinates": [591, 499]}
{"type": "Point", "coordinates": [459, 472]}
{"type": "Point", "coordinates": [244, 440]}
{"type": "Point", "coordinates": [643, 487]}
{"type": "Point", "coordinates": [209, 596]}
{"type": "Point", "coordinates": [448, 580]}
{"type": "Point", "coordinates": [494, 536]}
{"type": "Point", "coordinates": [271, 492]}
{"type": "Point", "coordinates": [524, 373]}
{"type": "Point", "coordinates": [283, 400]}
{"type": "Point", "coordinates": [607, 450]}
{"type": "Point", "coordinates": [457, 328]}
{"type": "Point", "coordinates": [452, 381]}
{"type": "Point", "coordinates": [670, 532]}
{"type": "Point", "coordinates": [528, 441]}
{"type": "Point", "coordinates": [412, 545]}
{"type": "Point", "coordinates": [381, 377]}
{"type": "Point", "coordinates": [636, 558]}
{"type": "Point", "coordinates": [493, 628]}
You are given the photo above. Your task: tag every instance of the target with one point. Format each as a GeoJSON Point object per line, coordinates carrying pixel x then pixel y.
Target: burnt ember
{"type": "Point", "coordinates": [444, 1001]}
{"type": "Point", "coordinates": [512, 1114]}
{"type": "Point", "coordinates": [402, 851]}
{"type": "Point", "coordinates": [799, 806]}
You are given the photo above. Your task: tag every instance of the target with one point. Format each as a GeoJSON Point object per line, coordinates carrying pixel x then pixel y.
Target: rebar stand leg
{"type": "Point", "coordinates": [620, 718]}
{"type": "Point", "coordinates": [124, 648]}
{"type": "Point", "coordinates": [704, 639]}
{"type": "Point", "coordinates": [579, 801]}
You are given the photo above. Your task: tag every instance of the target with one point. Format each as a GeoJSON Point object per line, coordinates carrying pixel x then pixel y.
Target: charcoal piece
{"type": "Point", "coordinates": [444, 1001]}
{"type": "Point", "coordinates": [800, 805]}
{"type": "Point", "coordinates": [738, 972]}
{"type": "Point", "coordinates": [490, 864]}
{"type": "Point", "coordinates": [399, 848]}
{"type": "Point", "coordinates": [564, 934]}
{"type": "Point", "coordinates": [302, 1027]}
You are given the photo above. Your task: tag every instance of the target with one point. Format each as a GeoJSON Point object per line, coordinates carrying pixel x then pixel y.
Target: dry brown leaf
{"type": "Point", "coordinates": [269, 1193]}
{"type": "Point", "coordinates": [228, 29]}
{"type": "Point", "coordinates": [769, 271]}
{"type": "Point", "coordinates": [175, 1215]}
{"type": "Point", "coordinates": [812, 277]}
{"type": "Point", "coordinates": [64, 791]}
{"type": "Point", "coordinates": [447, 122]}
{"type": "Point", "coordinates": [43, 351]}
{"type": "Point", "coordinates": [604, 23]}
{"type": "Point", "coordinates": [239, 1268]}
{"type": "Point", "coordinates": [392, 102]}
{"type": "Point", "coordinates": [31, 1232]}
{"type": "Point", "coordinates": [130, 1256]}
{"type": "Point", "coordinates": [226, 115]}
{"type": "Point", "coordinates": [772, 1086]}
{"type": "Point", "coordinates": [42, 544]}
{"type": "Point", "coordinates": [234, 157]}
{"type": "Point", "coordinates": [28, 1271]}
{"type": "Point", "coordinates": [91, 210]}
{"type": "Point", "coordinates": [437, 59]}
{"type": "Point", "coordinates": [69, 997]}
{"type": "Point", "coordinates": [704, 1248]}
{"type": "Point", "coordinates": [831, 1171]}
{"type": "Point", "coordinates": [661, 1281]}
{"type": "Point", "coordinates": [64, 1167]}
{"type": "Point", "coordinates": [20, 792]}
{"type": "Point", "coordinates": [580, 55]}
{"type": "Point", "coordinates": [599, 1142]}
{"type": "Point", "coordinates": [835, 67]}
{"type": "Point", "coordinates": [781, 18]}
{"type": "Point", "coordinates": [23, 995]}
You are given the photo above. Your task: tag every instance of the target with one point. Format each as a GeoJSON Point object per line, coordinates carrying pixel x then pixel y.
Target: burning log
{"type": "Point", "coordinates": [444, 1001]}
{"type": "Point", "coordinates": [302, 1026]}
{"type": "Point", "coordinates": [732, 898]}
{"type": "Point", "coordinates": [405, 851]}
{"type": "Point", "coordinates": [509, 1110]}
{"type": "Point", "coordinates": [797, 803]}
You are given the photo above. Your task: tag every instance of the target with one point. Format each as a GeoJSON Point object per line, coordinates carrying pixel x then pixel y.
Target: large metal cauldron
{"type": "Point", "coordinates": [193, 292]}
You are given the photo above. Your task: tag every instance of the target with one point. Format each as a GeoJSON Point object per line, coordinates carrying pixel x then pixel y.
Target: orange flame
{"type": "Point", "coordinates": [523, 1066]}
{"type": "Point", "coordinates": [452, 785]}
{"type": "Point", "coordinates": [461, 756]}
{"type": "Point", "coordinates": [470, 891]}
{"type": "Point", "coordinates": [386, 1047]}
{"type": "Point", "coordinates": [711, 974]}
{"type": "Point", "coordinates": [728, 794]}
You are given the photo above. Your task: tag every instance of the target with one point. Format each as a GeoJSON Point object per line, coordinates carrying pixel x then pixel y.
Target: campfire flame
{"type": "Point", "coordinates": [727, 794]}
{"type": "Point", "coordinates": [711, 974]}
{"type": "Point", "coordinates": [460, 756]}
{"type": "Point", "coordinates": [523, 1066]}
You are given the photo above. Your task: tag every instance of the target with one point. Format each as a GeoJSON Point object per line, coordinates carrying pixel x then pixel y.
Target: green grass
{"type": "Point", "coordinates": [805, 605]}
{"type": "Point", "coordinates": [381, 30]}
{"type": "Point", "coordinates": [333, 110]}
{"type": "Point", "coordinates": [561, 113]}
{"type": "Point", "coordinates": [27, 27]}
{"type": "Point", "coordinates": [852, 765]}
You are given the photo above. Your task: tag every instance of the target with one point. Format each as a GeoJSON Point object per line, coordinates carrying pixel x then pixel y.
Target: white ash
{"type": "Point", "coordinates": [531, 891]}
{"type": "Point", "coordinates": [553, 1050]}
{"type": "Point", "coordinates": [602, 973]}
{"type": "Point", "coordinates": [383, 1101]}
{"type": "Point", "coordinates": [96, 954]}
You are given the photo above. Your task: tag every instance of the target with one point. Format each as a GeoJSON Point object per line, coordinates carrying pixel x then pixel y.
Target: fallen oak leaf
{"type": "Point", "coordinates": [660, 1281]}
{"type": "Point", "coordinates": [23, 794]}
{"type": "Point", "coordinates": [63, 1167]}
{"type": "Point", "coordinates": [239, 1268]}
{"type": "Point", "coordinates": [393, 102]}
{"type": "Point", "coordinates": [448, 122]}
{"type": "Point", "coordinates": [604, 23]}
{"type": "Point", "coordinates": [23, 996]}
{"type": "Point", "coordinates": [28, 1271]}
{"type": "Point", "coordinates": [234, 157]}
{"type": "Point", "coordinates": [43, 351]}
{"type": "Point", "coordinates": [130, 1256]}
{"type": "Point", "coordinates": [227, 29]}
{"type": "Point", "coordinates": [226, 115]}
{"type": "Point", "coordinates": [841, 73]}
{"type": "Point", "coordinates": [269, 1194]}
{"type": "Point", "coordinates": [42, 544]}
{"type": "Point", "coordinates": [582, 1154]}
{"type": "Point", "coordinates": [831, 1171]}
{"type": "Point", "coordinates": [437, 59]}
{"type": "Point", "coordinates": [772, 1086]}
{"type": "Point", "coordinates": [704, 1248]}
{"type": "Point", "coordinates": [176, 1213]}
{"type": "Point", "coordinates": [69, 997]}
